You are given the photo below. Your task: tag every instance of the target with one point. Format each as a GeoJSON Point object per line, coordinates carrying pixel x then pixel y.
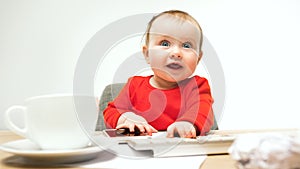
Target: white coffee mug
{"type": "Point", "coordinates": [60, 121]}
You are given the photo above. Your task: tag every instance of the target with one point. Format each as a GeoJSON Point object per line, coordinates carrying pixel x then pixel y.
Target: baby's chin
{"type": "Point", "coordinates": [178, 78]}
{"type": "Point", "coordinates": [171, 79]}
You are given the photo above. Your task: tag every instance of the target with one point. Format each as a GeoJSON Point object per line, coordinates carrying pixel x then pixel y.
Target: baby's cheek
{"type": "Point", "coordinates": [192, 64]}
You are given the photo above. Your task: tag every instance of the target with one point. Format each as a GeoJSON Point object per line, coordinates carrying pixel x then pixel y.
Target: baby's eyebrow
{"type": "Point", "coordinates": [162, 35]}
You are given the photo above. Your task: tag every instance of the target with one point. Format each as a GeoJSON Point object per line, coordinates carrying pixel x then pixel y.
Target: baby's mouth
{"type": "Point", "coordinates": [174, 66]}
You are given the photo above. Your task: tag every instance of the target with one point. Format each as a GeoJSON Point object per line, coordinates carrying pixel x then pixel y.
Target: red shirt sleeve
{"type": "Point", "coordinates": [117, 107]}
{"type": "Point", "coordinates": [198, 104]}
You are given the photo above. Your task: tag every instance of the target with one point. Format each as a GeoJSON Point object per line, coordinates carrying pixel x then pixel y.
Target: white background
{"type": "Point", "coordinates": [257, 42]}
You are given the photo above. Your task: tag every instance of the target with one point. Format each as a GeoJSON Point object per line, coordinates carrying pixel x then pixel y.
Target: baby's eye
{"type": "Point", "coordinates": [186, 45]}
{"type": "Point", "coordinates": [164, 43]}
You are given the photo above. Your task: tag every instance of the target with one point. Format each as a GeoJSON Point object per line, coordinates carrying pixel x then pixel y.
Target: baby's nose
{"type": "Point", "coordinates": [176, 52]}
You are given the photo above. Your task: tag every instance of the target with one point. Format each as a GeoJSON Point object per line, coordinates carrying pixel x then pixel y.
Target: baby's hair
{"type": "Point", "coordinates": [177, 13]}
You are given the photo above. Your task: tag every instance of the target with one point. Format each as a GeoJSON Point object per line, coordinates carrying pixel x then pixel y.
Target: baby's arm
{"type": "Point", "coordinates": [198, 117]}
{"type": "Point", "coordinates": [198, 103]}
{"type": "Point", "coordinates": [130, 120]}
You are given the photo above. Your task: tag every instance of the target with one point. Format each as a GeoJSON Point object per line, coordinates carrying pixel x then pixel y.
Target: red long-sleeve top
{"type": "Point", "coordinates": [191, 101]}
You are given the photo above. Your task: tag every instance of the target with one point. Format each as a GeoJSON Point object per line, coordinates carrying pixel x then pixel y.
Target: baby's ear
{"type": "Point", "coordinates": [200, 56]}
{"type": "Point", "coordinates": [145, 52]}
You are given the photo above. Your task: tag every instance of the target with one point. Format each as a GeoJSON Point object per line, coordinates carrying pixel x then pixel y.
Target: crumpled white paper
{"type": "Point", "coordinates": [266, 151]}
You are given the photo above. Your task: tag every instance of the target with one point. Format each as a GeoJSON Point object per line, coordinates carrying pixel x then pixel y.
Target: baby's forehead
{"type": "Point", "coordinates": [176, 27]}
{"type": "Point", "coordinates": [172, 20]}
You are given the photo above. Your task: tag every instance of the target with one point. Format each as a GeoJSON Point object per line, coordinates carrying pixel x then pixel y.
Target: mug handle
{"type": "Point", "coordinates": [11, 125]}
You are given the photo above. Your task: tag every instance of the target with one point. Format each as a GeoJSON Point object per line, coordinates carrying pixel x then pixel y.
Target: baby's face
{"type": "Point", "coordinates": [173, 49]}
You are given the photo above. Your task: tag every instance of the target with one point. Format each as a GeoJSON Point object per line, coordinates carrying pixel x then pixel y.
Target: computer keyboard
{"type": "Point", "coordinates": [201, 145]}
{"type": "Point", "coordinates": [214, 142]}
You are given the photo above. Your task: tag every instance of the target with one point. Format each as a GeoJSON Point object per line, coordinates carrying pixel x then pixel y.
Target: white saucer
{"type": "Point", "coordinates": [30, 151]}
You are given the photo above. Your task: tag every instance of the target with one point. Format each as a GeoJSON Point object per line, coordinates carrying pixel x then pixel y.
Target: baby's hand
{"type": "Point", "coordinates": [183, 128]}
{"type": "Point", "coordinates": [130, 120]}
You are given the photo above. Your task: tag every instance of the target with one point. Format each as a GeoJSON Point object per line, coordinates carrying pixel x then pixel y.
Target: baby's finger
{"type": "Point", "coordinates": [150, 130]}
{"type": "Point", "coordinates": [147, 130]}
{"type": "Point", "coordinates": [141, 127]}
{"type": "Point", "coordinates": [190, 132]}
{"type": "Point", "coordinates": [193, 133]}
{"type": "Point", "coordinates": [181, 133]}
{"type": "Point", "coordinates": [170, 132]}
{"type": "Point", "coordinates": [153, 129]}
{"type": "Point", "coordinates": [131, 127]}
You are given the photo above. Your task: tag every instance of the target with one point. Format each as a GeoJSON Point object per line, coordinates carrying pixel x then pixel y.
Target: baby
{"type": "Point", "coordinates": [171, 99]}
